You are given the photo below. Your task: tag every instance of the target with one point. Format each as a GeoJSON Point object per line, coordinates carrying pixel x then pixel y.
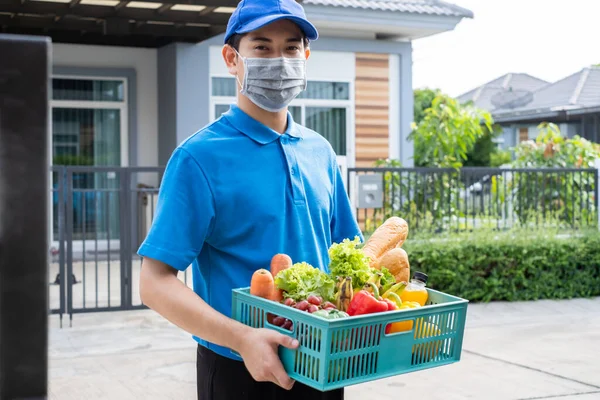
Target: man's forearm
{"type": "Point", "coordinates": [163, 292]}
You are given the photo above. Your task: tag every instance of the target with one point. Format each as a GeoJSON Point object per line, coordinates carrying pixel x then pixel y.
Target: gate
{"type": "Point", "coordinates": [100, 217]}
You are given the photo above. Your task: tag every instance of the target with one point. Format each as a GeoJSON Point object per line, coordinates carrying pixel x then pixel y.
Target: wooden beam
{"type": "Point", "coordinates": [49, 23]}
{"type": "Point", "coordinates": [208, 3]}
{"type": "Point", "coordinates": [192, 33]}
{"type": "Point", "coordinates": [95, 38]}
{"type": "Point", "coordinates": [163, 8]}
{"type": "Point", "coordinates": [207, 10]}
{"type": "Point", "coordinates": [101, 12]}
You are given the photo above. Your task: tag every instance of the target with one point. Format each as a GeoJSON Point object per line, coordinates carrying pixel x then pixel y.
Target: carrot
{"type": "Point", "coordinates": [262, 284]}
{"type": "Point", "coordinates": [279, 262]}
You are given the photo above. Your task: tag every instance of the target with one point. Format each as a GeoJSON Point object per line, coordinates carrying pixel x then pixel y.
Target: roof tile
{"type": "Point", "coordinates": [429, 7]}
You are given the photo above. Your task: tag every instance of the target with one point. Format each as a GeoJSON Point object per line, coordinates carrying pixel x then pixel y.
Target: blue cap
{"type": "Point", "coordinates": [251, 15]}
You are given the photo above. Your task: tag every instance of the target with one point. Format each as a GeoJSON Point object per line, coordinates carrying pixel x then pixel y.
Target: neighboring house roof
{"type": "Point", "coordinates": [575, 93]}
{"type": "Point", "coordinates": [508, 90]}
{"type": "Point", "coordinates": [429, 7]}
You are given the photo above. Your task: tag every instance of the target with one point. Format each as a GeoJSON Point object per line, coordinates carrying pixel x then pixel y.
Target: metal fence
{"type": "Point", "coordinates": [100, 215]}
{"type": "Point", "coordinates": [434, 199]}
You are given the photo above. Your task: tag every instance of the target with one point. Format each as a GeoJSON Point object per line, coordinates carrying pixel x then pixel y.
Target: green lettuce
{"type": "Point", "coordinates": [347, 259]}
{"type": "Point", "coordinates": [387, 280]}
{"type": "Point", "coordinates": [302, 279]}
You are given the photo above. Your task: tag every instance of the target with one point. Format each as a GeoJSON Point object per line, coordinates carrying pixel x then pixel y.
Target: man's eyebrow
{"type": "Point", "coordinates": [294, 40]}
{"type": "Point", "coordinates": [260, 39]}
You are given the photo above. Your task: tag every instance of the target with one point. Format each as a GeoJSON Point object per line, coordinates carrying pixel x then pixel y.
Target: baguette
{"type": "Point", "coordinates": [391, 234]}
{"type": "Point", "coordinates": [396, 261]}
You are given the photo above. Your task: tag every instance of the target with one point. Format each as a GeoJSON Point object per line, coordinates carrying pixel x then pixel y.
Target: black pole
{"type": "Point", "coordinates": [24, 216]}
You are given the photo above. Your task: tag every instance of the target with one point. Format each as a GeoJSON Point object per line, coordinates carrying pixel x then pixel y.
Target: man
{"type": "Point", "coordinates": [246, 187]}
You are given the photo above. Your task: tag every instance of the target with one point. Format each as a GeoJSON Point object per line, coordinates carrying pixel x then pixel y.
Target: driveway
{"type": "Point", "coordinates": [511, 351]}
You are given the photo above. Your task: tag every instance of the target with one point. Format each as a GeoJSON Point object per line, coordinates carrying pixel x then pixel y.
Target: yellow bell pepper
{"type": "Point", "coordinates": [402, 326]}
{"type": "Point", "coordinates": [427, 351]}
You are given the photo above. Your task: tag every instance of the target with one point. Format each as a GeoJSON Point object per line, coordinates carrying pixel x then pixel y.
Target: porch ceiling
{"type": "Point", "coordinates": [144, 23]}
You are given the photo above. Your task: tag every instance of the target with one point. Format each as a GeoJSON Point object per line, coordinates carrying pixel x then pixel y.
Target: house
{"type": "Point", "coordinates": [573, 103]}
{"type": "Point", "coordinates": [132, 79]}
{"type": "Point", "coordinates": [499, 91]}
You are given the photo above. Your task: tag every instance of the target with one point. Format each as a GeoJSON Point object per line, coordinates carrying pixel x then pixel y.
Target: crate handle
{"type": "Point", "coordinates": [291, 333]}
{"type": "Point", "coordinates": [405, 326]}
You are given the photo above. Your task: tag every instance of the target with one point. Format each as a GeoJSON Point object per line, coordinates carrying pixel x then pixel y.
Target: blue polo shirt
{"type": "Point", "coordinates": [236, 193]}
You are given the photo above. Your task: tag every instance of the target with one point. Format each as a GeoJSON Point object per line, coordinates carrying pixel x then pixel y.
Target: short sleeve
{"type": "Point", "coordinates": [343, 222]}
{"type": "Point", "coordinates": [184, 213]}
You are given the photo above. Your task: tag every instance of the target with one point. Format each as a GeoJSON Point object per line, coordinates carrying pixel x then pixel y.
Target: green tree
{"type": "Point", "coordinates": [482, 153]}
{"type": "Point", "coordinates": [423, 98]}
{"type": "Point", "coordinates": [448, 132]}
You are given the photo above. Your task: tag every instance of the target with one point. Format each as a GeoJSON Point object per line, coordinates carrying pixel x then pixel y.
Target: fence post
{"type": "Point", "coordinates": [597, 189]}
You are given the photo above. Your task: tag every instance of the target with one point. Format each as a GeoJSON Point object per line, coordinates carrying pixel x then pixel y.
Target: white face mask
{"type": "Point", "coordinates": [272, 83]}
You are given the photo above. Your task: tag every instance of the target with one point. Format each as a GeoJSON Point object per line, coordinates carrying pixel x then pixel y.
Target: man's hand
{"type": "Point", "coordinates": [162, 291]}
{"type": "Point", "coordinates": [259, 352]}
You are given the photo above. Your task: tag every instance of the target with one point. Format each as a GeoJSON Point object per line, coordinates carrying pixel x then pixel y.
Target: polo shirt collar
{"type": "Point", "coordinates": [256, 130]}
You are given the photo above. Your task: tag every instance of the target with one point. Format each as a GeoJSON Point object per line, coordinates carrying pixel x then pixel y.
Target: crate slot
{"type": "Point", "coordinates": [302, 334]}
{"type": "Point", "coordinates": [363, 338]}
{"type": "Point", "coordinates": [374, 363]}
{"type": "Point", "coordinates": [444, 324]}
{"type": "Point", "coordinates": [332, 347]}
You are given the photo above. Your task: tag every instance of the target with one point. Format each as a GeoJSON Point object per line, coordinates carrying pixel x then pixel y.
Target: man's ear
{"type": "Point", "coordinates": [230, 58]}
{"type": "Point", "coordinates": [307, 53]}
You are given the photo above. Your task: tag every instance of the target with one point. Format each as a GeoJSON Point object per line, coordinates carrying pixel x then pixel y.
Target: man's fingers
{"type": "Point", "coordinates": [287, 341]}
{"type": "Point", "coordinates": [281, 377]}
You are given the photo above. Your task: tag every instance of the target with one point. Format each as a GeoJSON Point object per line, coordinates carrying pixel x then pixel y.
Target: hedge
{"type": "Point", "coordinates": [509, 266]}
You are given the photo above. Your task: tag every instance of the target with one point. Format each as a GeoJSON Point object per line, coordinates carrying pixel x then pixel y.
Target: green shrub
{"type": "Point", "coordinates": [510, 266]}
{"type": "Point", "coordinates": [500, 158]}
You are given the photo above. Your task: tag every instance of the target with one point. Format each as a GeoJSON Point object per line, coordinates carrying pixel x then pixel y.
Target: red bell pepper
{"type": "Point", "coordinates": [366, 303]}
{"type": "Point", "coordinates": [391, 305]}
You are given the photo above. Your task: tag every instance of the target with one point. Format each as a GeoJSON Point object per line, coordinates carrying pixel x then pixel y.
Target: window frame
{"type": "Point", "coordinates": [121, 106]}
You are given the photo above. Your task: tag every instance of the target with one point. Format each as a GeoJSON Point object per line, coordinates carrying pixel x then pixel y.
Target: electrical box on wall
{"type": "Point", "coordinates": [370, 191]}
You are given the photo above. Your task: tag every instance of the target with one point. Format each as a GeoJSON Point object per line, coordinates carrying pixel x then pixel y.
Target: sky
{"type": "Point", "coordinates": [549, 39]}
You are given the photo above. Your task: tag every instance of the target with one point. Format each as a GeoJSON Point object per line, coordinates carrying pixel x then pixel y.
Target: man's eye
{"type": "Point", "coordinates": [261, 48]}
{"type": "Point", "coordinates": [293, 48]}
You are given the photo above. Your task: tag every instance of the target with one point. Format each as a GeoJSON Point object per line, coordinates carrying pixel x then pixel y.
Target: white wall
{"type": "Point", "coordinates": [144, 61]}
{"type": "Point", "coordinates": [395, 107]}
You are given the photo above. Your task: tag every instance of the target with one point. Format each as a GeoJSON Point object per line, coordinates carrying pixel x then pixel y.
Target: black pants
{"type": "Point", "coordinates": [220, 377]}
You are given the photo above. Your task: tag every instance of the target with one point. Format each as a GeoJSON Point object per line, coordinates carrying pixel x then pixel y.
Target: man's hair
{"type": "Point", "coordinates": [235, 39]}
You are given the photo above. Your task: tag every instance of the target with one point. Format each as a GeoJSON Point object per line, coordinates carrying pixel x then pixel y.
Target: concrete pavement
{"type": "Point", "coordinates": [511, 351]}
{"type": "Point", "coordinates": [99, 283]}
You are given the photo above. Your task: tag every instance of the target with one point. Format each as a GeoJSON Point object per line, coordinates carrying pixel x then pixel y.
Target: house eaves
{"type": "Point", "coordinates": [385, 19]}
{"type": "Point", "coordinates": [529, 115]}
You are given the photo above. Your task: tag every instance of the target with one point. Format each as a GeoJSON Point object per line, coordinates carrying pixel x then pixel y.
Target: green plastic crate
{"type": "Point", "coordinates": [347, 351]}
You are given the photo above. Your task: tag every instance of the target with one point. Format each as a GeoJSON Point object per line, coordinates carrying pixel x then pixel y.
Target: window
{"type": "Point", "coordinates": [326, 91]}
{"type": "Point", "coordinates": [323, 107]}
{"type": "Point", "coordinates": [89, 127]}
{"type": "Point", "coordinates": [523, 134]}
{"type": "Point", "coordinates": [87, 89]}
{"type": "Point", "coordinates": [331, 123]}
{"type": "Point", "coordinates": [89, 121]}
